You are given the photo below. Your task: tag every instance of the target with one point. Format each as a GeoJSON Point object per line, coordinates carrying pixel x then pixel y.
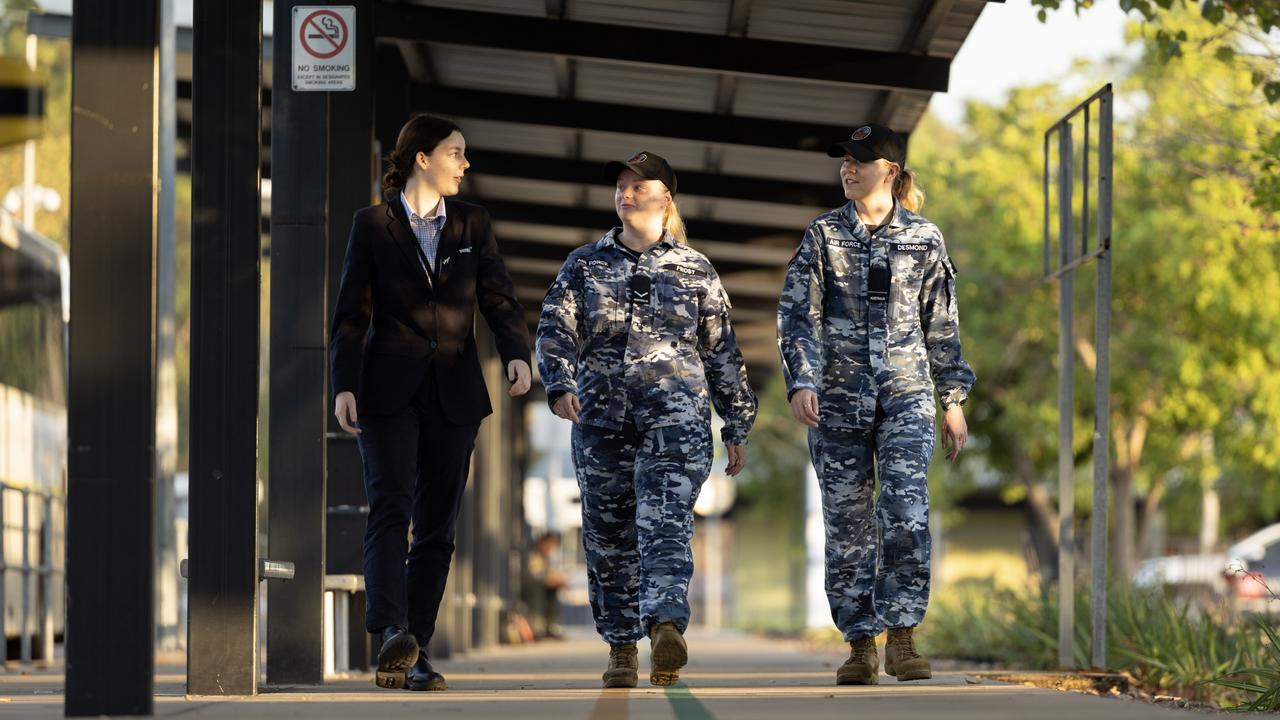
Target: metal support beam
{"type": "Point", "coordinates": [602, 220]}
{"type": "Point", "coordinates": [692, 182]}
{"type": "Point", "coordinates": [352, 184]}
{"type": "Point", "coordinates": [726, 255]}
{"type": "Point", "coordinates": [669, 48]}
{"type": "Point", "coordinates": [169, 624]}
{"type": "Point", "coordinates": [392, 105]}
{"type": "Point", "coordinates": [1102, 385]}
{"type": "Point", "coordinates": [298, 409]}
{"type": "Point", "coordinates": [222, 646]}
{"type": "Point", "coordinates": [924, 27]}
{"type": "Point", "coordinates": [608, 117]}
{"type": "Point", "coordinates": [111, 401]}
{"type": "Point", "coordinates": [1066, 458]}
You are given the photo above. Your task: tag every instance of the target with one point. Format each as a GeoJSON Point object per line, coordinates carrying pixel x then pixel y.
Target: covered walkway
{"type": "Point", "coordinates": [730, 677]}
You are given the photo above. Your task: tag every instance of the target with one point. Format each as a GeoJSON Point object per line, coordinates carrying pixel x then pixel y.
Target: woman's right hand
{"type": "Point", "coordinates": [344, 408]}
{"type": "Point", "coordinates": [804, 407]}
{"type": "Point", "coordinates": [567, 407]}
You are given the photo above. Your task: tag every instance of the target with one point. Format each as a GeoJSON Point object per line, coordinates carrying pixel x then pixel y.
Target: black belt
{"type": "Point", "coordinates": [878, 284]}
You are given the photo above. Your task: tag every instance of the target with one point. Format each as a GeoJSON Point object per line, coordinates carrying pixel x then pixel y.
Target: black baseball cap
{"type": "Point", "coordinates": [645, 164]}
{"type": "Point", "coordinates": [872, 142]}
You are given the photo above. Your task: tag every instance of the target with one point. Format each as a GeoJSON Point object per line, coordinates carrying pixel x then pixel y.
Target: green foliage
{"type": "Point", "coordinates": [1259, 17]}
{"type": "Point", "coordinates": [1166, 646]}
{"type": "Point", "coordinates": [1267, 696]}
{"type": "Point", "coordinates": [772, 483]}
{"type": "Point", "coordinates": [53, 148]}
{"type": "Point", "coordinates": [768, 520]}
{"type": "Point", "coordinates": [1195, 328]}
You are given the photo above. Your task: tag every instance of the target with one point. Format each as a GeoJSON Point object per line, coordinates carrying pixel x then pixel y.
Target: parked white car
{"type": "Point", "coordinates": [1252, 571]}
{"type": "Point", "coordinates": [1187, 575]}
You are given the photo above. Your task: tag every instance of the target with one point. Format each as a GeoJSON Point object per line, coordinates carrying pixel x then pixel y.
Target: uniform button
{"type": "Point", "coordinates": [433, 344]}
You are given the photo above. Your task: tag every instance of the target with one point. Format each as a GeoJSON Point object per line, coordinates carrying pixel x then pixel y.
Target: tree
{"type": "Point", "coordinates": [1252, 19]}
{"type": "Point", "coordinates": [1196, 328]}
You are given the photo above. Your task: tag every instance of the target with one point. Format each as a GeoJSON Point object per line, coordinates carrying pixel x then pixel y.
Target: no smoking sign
{"type": "Point", "coordinates": [324, 49]}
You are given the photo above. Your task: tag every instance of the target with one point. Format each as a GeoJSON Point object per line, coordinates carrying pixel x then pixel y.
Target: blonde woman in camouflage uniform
{"type": "Point", "coordinates": [868, 328]}
{"type": "Point", "coordinates": [634, 346]}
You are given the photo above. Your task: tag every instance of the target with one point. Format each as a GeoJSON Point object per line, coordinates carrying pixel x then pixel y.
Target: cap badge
{"type": "Point", "coordinates": [861, 133]}
{"type": "Point", "coordinates": [639, 158]}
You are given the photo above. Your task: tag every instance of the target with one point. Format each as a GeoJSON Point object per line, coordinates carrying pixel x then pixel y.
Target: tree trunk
{"type": "Point", "coordinates": [1124, 538]}
{"type": "Point", "coordinates": [1129, 442]}
{"type": "Point", "coordinates": [1150, 508]}
{"type": "Point", "coordinates": [1210, 506]}
{"type": "Point", "coordinates": [1043, 515]}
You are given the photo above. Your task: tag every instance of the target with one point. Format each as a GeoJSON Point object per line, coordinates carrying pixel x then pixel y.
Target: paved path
{"type": "Point", "coordinates": [729, 677]}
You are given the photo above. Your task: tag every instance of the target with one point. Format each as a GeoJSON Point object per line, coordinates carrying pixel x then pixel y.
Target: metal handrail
{"type": "Point", "coordinates": [44, 572]}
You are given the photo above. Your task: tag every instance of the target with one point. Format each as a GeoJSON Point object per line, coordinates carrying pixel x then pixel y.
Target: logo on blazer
{"type": "Point", "coordinates": [861, 133]}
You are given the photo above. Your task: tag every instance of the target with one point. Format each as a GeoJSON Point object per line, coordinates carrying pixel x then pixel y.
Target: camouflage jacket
{"type": "Point", "coordinates": [656, 364]}
{"type": "Point", "coordinates": [843, 336]}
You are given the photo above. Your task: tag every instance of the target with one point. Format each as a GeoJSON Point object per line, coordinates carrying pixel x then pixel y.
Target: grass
{"type": "Point", "coordinates": [1168, 647]}
{"type": "Point", "coordinates": [1265, 697]}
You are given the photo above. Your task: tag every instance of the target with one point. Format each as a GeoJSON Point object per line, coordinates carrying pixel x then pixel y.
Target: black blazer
{"type": "Point", "coordinates": [391, 322]}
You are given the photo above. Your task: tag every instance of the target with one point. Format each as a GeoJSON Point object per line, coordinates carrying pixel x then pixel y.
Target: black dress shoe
{"type": "Point", "coordinates": [424, 677]}
{"type": "Point", "coordinates": [399, 650]}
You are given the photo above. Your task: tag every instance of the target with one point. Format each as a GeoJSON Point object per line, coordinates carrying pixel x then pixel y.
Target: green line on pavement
{"type": "Point", "coordinates": [686, 706]}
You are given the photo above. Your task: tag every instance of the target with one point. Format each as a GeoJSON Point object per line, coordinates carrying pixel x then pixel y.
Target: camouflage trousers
{"type": "Point", "coordinates": [877, 553]}
{"type": "Point", "coordinates": [638, 490]}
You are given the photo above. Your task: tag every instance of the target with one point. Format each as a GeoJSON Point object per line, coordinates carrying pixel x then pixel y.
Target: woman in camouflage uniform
{"type": "Point", "coordinates": [867, 315]}
{"type": "Point", "coordinates": [634, 346]}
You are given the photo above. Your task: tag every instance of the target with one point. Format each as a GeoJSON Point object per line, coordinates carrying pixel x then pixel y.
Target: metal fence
{"type": "Point", "coordinates": [32, 570]}
{"type": "Point", "coordinates": [1071, 258]}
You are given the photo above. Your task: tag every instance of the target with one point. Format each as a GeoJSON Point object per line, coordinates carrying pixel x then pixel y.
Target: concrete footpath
{"type": "Point", "coordinates": [730, 676]}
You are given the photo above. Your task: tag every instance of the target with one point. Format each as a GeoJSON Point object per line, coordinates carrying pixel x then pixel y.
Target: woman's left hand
{"type": "Point", "coordinates": [955, 431]}
{"type": "Point", "coordinates": [737, 459]}
{"type": "Point", "coordinates": [520, 377]}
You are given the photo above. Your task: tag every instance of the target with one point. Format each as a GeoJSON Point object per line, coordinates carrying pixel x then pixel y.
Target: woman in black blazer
{"type": "Point", "coordinates": [407, 380]}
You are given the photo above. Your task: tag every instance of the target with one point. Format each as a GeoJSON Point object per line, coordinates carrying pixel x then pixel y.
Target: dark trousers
{"type": "Point", "coordinates": [415, 470]}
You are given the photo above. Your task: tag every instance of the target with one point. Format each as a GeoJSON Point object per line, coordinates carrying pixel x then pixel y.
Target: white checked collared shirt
{"type": "Point", "coordinates": [426, 229]}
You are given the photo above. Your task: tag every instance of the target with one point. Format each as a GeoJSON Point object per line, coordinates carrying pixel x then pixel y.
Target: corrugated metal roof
{"type": "Point", "coordinates": [713, 97]}
{"type": "Point", "coordinates": [516, 137]}
{"type": "Point", "coordinates": [705, 16]}
{"type": "Point", "coordinates": [817, 102]}
{"type": "Point", "coordinates": [842, 23]}
{"type": "Point", "coordinates": [955, 28]}
{"type": "Point", "coordinates": [647, 85]}
{"type": "Point", "coordinates": [533, 8]}
{"type": "Point", "coordinates": [682, 154]}
{"type": "Point", "coordinates": [491, 69]}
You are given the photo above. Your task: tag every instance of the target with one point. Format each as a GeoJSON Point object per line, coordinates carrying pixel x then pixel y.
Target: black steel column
{"type": "Point", "coordinates": [111, 403]}
{"type": "Point", "coordinates": [352, 176]}
{"type": "Point", "coordinates": [298, 407]}
{"type": "Point", "coordinates": [222, 657]}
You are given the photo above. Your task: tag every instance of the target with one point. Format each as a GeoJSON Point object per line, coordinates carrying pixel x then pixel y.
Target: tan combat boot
{"type": "Point", "coordinates": [624, 666]}
{"type": "Point", "coordinates": [901, 658]}
{"type": "Point", "coordinates": [863, 665]}
{"type": "Point", "coordinates": [668, 654]}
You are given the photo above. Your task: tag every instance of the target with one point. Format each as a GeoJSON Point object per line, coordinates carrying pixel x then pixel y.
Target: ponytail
{"type": "Point", "coordinates": [673, 223]}
{"type": "Point", "coordinates": [907, 190]}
